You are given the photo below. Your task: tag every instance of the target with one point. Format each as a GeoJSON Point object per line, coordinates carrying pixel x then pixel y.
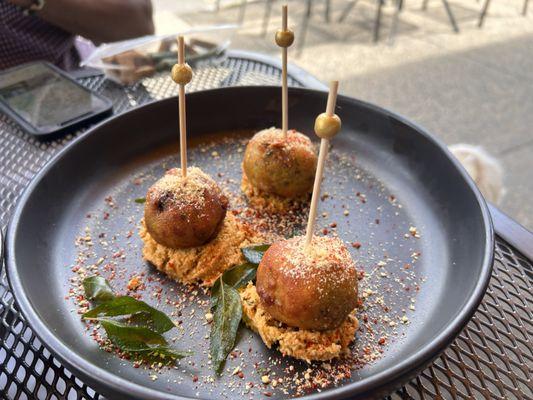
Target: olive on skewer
{"type": "Point", "coordinates": [185, 208]}
{"type": "Point", "coordinates": [279, 164]}
{"type": "Point", "coordinates": [306, 287]}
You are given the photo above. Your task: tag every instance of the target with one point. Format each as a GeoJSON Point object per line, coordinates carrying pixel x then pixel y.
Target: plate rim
{"type": "Point", "coordinates": [91, 373]}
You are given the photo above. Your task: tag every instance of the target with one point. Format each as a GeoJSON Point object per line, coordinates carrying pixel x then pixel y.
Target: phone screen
{"type": "Point", "coordinates": [44, 98]}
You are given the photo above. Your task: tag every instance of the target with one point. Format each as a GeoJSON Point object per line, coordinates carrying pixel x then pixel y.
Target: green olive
{"type": "Point", "coordinates": [181, 73]}
{"type": "Point", "coordinates": [327, 126]}
{"type": "Point", "coordinates": [284, 38]}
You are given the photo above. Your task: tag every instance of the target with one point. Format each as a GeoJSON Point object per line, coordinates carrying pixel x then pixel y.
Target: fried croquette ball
{"type": "Point", "coordinates": [275, 165]}
{"type": "Point", "coordinates": [184, 212]}
{"type": "Point", "coordinates": [313, 288]}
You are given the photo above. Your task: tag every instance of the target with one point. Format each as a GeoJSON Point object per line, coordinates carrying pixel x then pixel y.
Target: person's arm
{"type": "Point", "coordinates": [99, 20]}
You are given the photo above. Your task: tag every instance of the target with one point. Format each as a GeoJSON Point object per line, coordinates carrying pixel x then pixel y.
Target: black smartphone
{"type": "Point", "coordinates": [44, 100]}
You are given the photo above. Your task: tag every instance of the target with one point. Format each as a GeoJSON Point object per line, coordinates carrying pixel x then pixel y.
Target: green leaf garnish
{"type": "Point", "coordinates": [97, 289]}
{"type": "Point", "coordinates": [240, 275]}
{"type": "Point", "coordinates": [226, 303]}
{"type": "Point", "coordinates": [130, 338]}
{"type": "Point", "coordinates": [226, 320]}
{"type": "Point", "coordinates": [140, 342]}
{"type": "Point", "coordinates": [142, 314]}
{"type": "Point", "coordinates": [140, 200]}
{"type": "Point", "coordinates": [254, 254]}
{"type": "Point", "coordinates": [131, 325]}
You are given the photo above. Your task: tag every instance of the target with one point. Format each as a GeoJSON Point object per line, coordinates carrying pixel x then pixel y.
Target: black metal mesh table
{"type": "Point", "coordinates": [492, 358]}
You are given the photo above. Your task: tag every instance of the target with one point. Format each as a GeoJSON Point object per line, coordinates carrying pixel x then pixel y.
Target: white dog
{"type": "Point", "coordinates": [484, 169]}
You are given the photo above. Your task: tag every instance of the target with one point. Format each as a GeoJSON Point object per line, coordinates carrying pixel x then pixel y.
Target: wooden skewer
{"type": "Point", "coordinates": [182, 111]}
{"type": "Point", "coordinates": [182, 74]}
{"type": "Point", "coordinates": [327, 125]}
{"type": "Point", "coordinates": [181, 50]}
{"type": "Point", "coordinates": [284, 38]}
{"type": "Point", "coordinates": [332, 100]}
{"type": "Point", "coordinates": [316, 191]}
{"type": "Point", "coordinates": [285, 90]}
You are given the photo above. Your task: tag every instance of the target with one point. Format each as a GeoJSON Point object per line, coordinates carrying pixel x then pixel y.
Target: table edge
{"type": "Point", "coordinates": [512, 231]}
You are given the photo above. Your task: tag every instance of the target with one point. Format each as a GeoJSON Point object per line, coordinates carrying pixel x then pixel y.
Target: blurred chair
{"type": "Point", "coordinates": [377, 21]}
{"type": "Point", "coordinates": [307, 16]}
{"type": "Point", "coordinates": [268, 12]}
{"type": "Point", "coordinates": [485, 9]}
{"type": "Point", "coordinates": [395, 19]}
{"type": "Point", "coordinates": [309, 4]}
{"type": "Point", "coordinates": [242, 10]}
{"type": "Point", "coordinates": [305, 21]}
{"type": "Point", "coordinates": [448, 9]}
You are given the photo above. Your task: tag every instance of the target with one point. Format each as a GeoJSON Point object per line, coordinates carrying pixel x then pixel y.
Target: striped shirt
{"type": "Point", "coordinates": [25, 38]}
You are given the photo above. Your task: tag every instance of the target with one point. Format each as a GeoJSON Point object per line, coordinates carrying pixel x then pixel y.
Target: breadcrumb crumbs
{"type": "Point", "coordinates": [134, 283]}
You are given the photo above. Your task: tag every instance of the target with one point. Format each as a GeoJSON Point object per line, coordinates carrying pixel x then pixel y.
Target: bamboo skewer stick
{"type": "Point", "coordinates": [182, 74]}
{"type": "Point", "coordinates": [327, 125]}
{"type": "Point", "coordinates": [332, 100]}
{"type": "Point", "coordinates": [284, 38]}
{"type": "Point", "coordinates": [182, 111]}
{"type": "Point", "coordinates": [316, 191]}
{"type": "Point", "coordinates": [284, 89]}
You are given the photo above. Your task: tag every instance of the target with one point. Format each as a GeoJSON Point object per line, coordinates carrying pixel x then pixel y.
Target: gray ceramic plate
{"type": "Point", "coordinates": [377, 155]}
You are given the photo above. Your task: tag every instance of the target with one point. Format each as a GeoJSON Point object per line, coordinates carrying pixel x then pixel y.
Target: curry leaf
{"type": "Point", "coordinates": [226, 320]}
{"type": "Point", "coordinates": [131, 338]}
{"type": "Point", "coordinates": [98, 289]}
{"type": "Point", "coordinates": [236, 277]}
{"type": "Point", "coordinates": [240, 275]}
{"type": "Point", "coordinates": [226, 303]}
{"type": "Point", "coordinates": [164, 354]}
{"type": "Point", "coordinates": [215, 294]}
{"type": "Point", "coordinates": [140, 341]}
{"type": "Point", "coordinates": [254, 254]}
{"type": "Point", "coordinates": [138, 330]}
{"type": "Point", "coordinates": [142, 314]}
{"type": "Point", "coordinates": [140, 200]}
